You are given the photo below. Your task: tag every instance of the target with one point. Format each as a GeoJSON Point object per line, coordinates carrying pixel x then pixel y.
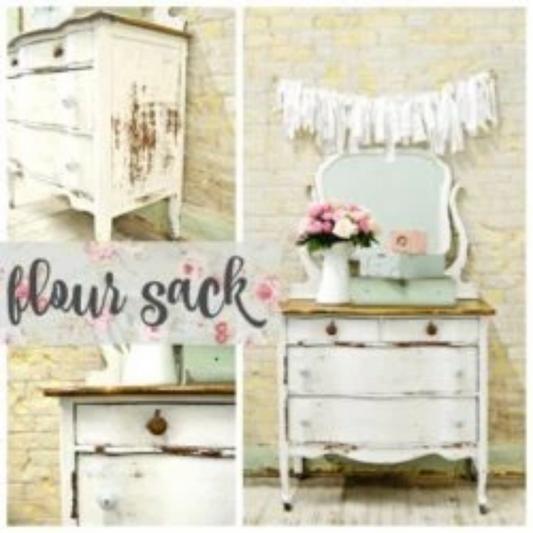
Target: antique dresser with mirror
{"type": "Point", "coordinates": [96, 112]}
{"type": "Point", "coordinates": [388, 383]}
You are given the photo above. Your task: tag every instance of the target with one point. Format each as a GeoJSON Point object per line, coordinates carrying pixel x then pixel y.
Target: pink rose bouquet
{"type": "Point", "coordinates": [327, 223]}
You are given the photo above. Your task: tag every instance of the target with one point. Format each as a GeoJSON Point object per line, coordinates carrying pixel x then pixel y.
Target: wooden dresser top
{"type": "Point", "coordinates": [310, 308]}
{"type": "Point", "coordinates": [97, 16]}
{"type": "Point", "coordinates": [143, 390]}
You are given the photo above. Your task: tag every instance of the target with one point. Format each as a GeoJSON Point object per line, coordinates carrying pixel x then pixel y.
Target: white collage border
{"type": "Point", "coordinates": [240, 6]}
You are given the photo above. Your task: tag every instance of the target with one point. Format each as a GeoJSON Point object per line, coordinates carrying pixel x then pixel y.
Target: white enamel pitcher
{"type": "Point", "coordinates": [148, 364]}
{"type": "Point", "coordinates": [136, 364]}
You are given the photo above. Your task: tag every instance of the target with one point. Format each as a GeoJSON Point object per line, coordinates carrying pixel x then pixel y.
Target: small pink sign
{"type": "Point", "coordinates": [408, 242]}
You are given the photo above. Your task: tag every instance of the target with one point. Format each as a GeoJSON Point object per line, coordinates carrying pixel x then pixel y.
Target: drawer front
{"type": "Point", "coordinates": [63, 99]}
{"type": "Point", "coordinates": [454, 330]}
{"type": "Point", "coordinates": [74, 49]}
{"type": "Point", "coordinates": [383, 422]}
{"type": "Point", "coordinates": [207, 425]}
{"type": "Point", "coordinates": [60, 158]}
{"type": "Point", "coordinates": [329, 330]}
{"type": "Point", "coordinates": [353, 371]}
{"type": "Point", "coordinates": [155, 490]}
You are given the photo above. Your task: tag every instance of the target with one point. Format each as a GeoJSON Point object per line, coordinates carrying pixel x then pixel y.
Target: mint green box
{"type": "Point", "coordinates": [415, 292]}
{"type": "Point", "coordinates": [402, 266]}
{"type": "Point", "coordinates": [206, 364]}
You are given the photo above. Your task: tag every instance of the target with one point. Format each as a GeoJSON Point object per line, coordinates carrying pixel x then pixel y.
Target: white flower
{"type": "Point", "coordinates": [344, 228]}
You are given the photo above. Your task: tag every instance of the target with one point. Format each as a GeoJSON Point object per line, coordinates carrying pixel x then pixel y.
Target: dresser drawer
{"type": "Point", "coordinates": [354, 371]}
{"type": "Point", "coordinates": [453, 330]}
{"type": "Point", "coordinates": [73, 49]}
{"type": "Point", "coordinates": [64, 99]}
{"type": "Point", "coordinates": [60, 158]}
{"type": "Point", "coordinates": [126, 425]}
{"type": "Point", "coordinates": [330, 330]}
{"type": "Point", "coordinates": [383, 422]}
{"type": "Point", "coordinates": [155, 490]}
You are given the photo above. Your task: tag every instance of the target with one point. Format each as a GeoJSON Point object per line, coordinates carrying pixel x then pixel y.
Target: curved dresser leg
{"type": "Point", "coordinates": [482, 500]}
{"type": "Point", "coordinates": [103, 228]}
{"type": "Point", "coordinates": [174, 212]}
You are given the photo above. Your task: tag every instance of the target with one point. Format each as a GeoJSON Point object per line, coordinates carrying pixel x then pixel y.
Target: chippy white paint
{"type": "Point", "coordinates": [115, 471]}
{"type": "Point", "coordinates": [97, 112]}
{"type": "Point", "coordinates": [346, 387]}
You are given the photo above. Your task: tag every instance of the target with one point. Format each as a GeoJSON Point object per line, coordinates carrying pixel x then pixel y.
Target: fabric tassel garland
{"type": "Point", "coordinates": [346, 123]}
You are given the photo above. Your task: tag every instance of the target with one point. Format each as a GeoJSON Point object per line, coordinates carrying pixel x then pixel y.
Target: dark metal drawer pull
{"type": "Point", "coordinates": [432, 329]}
{"type": "Point", "coordinates": [157, 425]}
{"type": "Point", "coordinates": [59, 51]}
{"type": "Point", "coordinates": [331, 328]}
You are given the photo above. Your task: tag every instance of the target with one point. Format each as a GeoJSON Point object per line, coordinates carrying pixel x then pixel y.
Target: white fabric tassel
{"type": "Point", "coordinates": [342, 122]}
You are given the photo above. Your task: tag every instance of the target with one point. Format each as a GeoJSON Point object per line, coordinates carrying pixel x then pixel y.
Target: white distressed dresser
{"type": "Point", "coordinates": [384, 385]}
{"type": "Point", "coordinates": [148, 455]}
{"type": "Point", "coordinates": [96, 111]}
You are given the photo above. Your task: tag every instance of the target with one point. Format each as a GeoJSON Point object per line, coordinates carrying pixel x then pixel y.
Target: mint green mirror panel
{"type": "Point", "coordinates": [410, 192]}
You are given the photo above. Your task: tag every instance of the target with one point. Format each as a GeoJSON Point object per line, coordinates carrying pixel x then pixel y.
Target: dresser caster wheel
{"type": "Point", "coordinates": [483, 508]}
{"type": "Point", "coordinates": [287, 506]}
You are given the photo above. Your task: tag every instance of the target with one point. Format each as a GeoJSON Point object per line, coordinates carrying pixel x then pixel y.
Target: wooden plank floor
{"type": "Point", "coordinates": [345, 501]}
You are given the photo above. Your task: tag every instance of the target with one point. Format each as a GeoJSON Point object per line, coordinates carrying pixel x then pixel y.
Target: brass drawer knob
{"type": "Point", "coordinates": [157, 425]}
{"type": "Point", "coordinates": [58, 51]}
{"type": "Point", "coordinates": [331, 328]}
{"type": "Point", "coordinates": [432, 329]}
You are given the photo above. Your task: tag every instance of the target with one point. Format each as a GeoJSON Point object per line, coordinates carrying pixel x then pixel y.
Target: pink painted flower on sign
{"type": "Point", "coordinates": [101, 251]}
{"type": "Point", "coordinates": [151, 333]}
{"type": "Point", "coordinates": [23, 290]}
{"type": "Point", "coordinates": [101, 323]}
{"type": "Point", "coordinates": [222, 333]}
{"type": "Point", "coordinates": [192, 266]}
{"type": "Point", "coordinates": [267, 290]}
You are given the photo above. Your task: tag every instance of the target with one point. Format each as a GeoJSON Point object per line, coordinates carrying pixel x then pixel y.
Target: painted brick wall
{"type": "Point", "coordinates": [386, 51]}
{"type": "Point", "coordinates": [33, 439]}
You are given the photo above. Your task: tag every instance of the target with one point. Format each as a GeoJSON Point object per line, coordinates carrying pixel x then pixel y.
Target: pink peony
{"type": "Point", "coordinates": [314, 228]}
{"type": "Point", "coordinates": [327, 227]}
{"type": "Point", "coordinates": [365, 224]}
{"type": "Point", "coordinates": [315, 210]}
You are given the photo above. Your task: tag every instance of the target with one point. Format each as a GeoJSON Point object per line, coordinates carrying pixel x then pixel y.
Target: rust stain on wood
{"type": "Point", "coordinates": [195, 451]}
{"type": "Point", "coordinates": [145, 131]}
{"type": "Point", "coordinates": [142, 139]}
{"type": "Point", "coordinates": [173, 124]}
{"type": "Point", "coordinates": [115, 128]}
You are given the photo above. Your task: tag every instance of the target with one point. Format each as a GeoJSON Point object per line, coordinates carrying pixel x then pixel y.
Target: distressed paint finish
{"type": "Point", "coordinates": [147, 119]}
{"type": "Point", "coordinates": [115, 471]}
{"type": "Point", "coordinates": [438, 408]}
{"type": "Point", "coordinates": [349, 371]}
{"type": "Point", "coordinates": [156, 490]}
{"type": "Point", "coordinates": [110, 93]}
